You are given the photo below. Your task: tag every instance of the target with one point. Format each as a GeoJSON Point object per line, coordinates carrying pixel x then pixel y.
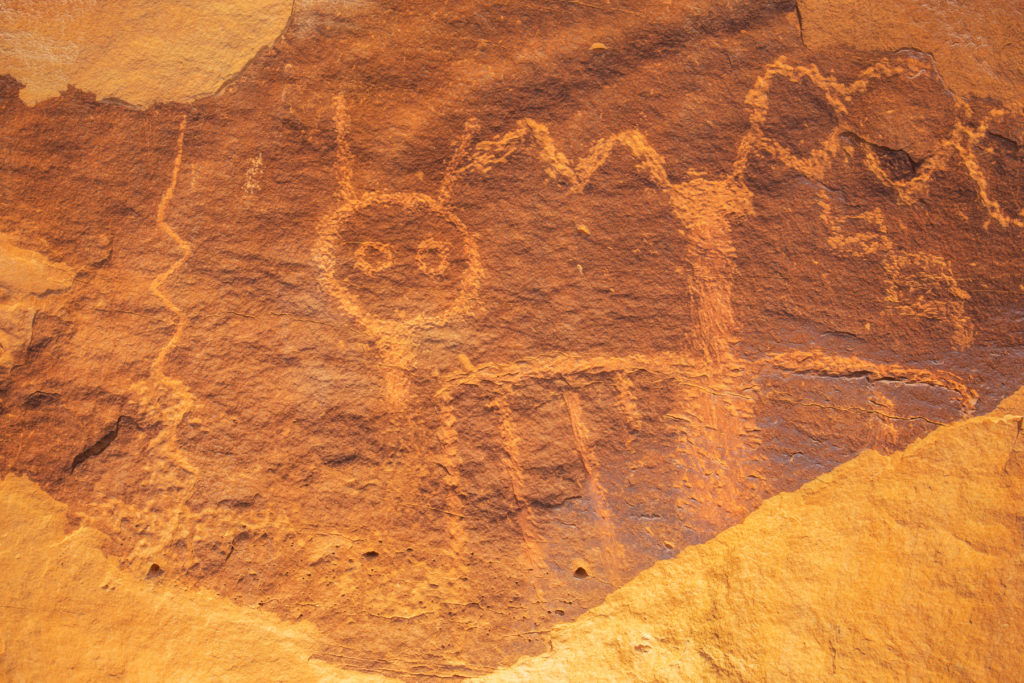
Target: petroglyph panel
{"type": "Point", "coordinates": [435, 365]}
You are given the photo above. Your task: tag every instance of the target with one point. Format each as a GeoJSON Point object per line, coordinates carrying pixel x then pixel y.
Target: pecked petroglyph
{"type": "Point", "coordinates": [425, 263]}
{"type": "Point", "coordinates": [917, 284]}
{"type": "Point", "coordinates": [168, 396]}
{"type": "Point", "coordinates": [710, 257]}
{"type": "Point", "coordinates": [437, 383]}
{"type": "Point", "coordinates": [710, 430]}
{"type": "Point", "coordinates": [645, 447]}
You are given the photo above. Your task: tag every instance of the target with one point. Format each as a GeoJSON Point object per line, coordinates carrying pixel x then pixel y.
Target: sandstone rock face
{"type": "Point", "coordinates": [976, 43]}
{"type": "Point", "coordinates": [433, 328]}
{"type": "Point", "coordinates": [70, 613]}
{"type": "Point", "coordinates": [136, 51]}
{"type": "Point", "coordinates": [903, 565]}
{"type": "Point", "coordinates": [907, 566]}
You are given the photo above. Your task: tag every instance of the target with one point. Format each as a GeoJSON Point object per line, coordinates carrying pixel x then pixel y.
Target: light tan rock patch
{"type": "Point", "coordinates": [906, 567]}
{"type": "Point", "coordinates": [139, 51]}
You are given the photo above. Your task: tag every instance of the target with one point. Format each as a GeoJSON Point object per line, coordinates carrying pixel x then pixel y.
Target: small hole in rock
{"type": "Point", "coordinates": [155, 572]}
{"type": "Point", "coordinates": [580, 573]}
{"type": "Point", "coordinates": [370, 554]}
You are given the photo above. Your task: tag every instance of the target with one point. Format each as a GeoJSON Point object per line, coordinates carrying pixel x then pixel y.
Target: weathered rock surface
{"type": "Point", "coordinates": [976, 43]}
{"type": "Point", "coordinates": [433, 327]}
{"type": "Point", "coordinates": [901, 567]}
{"type": "Point", "coordinates": [136, 51]}
{"type": "Point", "coordinates": [909, 566]}
{"type": "Point", "coordinates": [69, 613]}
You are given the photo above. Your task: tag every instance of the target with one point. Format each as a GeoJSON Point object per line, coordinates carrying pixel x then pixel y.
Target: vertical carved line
{"type": "Point", "coordinates": [611, 549]}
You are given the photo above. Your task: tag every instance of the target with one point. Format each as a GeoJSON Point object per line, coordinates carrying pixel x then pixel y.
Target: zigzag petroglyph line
{"type": "Point", "coordinates": [704, 206]}
{"type": "Point", "coordinates": [165, 442]}
{"type": "Point", "coordinates": [958, 144]}
{"type": "Point", "coordinates": [971, 139]}
{"type": "Point", "coordinates": [899, 267]}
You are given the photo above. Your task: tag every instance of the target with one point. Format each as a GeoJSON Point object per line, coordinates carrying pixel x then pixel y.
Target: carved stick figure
{"type": "Point", "coordinates": [399, 263]}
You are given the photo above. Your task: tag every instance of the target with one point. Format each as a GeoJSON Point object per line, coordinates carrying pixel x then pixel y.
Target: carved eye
{"type": "Point", "coordinates": [373, 257]}
{"type": "Point", "coordinates": [432, 256]}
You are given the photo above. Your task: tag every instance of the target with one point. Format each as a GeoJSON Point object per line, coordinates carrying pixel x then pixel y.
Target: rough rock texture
{"type": "Point", "coordinates": [69, 613]}
{"type": "Point", "coordinates": [434, 326]}
{"type": "Point", "coordinates": [977, 43]}
{"type": "Point", "coordinates": [908, 566]}
{"type": "Point", "coordinates": [901, 567]}
{"type": "Point", "coordinates": [136, 51]}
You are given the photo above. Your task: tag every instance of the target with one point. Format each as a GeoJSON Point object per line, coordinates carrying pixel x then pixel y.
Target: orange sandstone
{"type": "Point", "coordinates": [433, 328]}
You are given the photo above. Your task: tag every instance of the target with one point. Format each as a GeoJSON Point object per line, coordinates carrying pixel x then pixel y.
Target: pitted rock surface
{"type": "Point", "coordinates": [433, 328]}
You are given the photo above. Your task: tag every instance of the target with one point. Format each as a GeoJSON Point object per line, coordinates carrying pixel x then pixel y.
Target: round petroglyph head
{"type": "Point", "coordinates": [398, 259]}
